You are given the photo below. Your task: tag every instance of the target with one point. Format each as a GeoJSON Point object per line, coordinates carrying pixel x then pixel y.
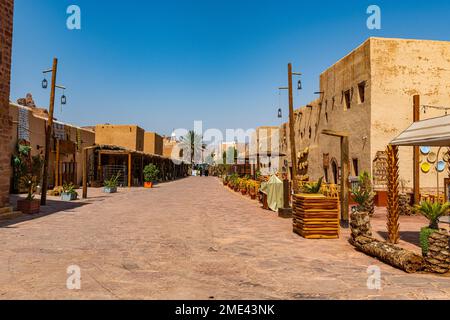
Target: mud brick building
{"type": "Point", "coordinates": [369, 95]}
{"type": "Point", "coordinates": [6, 32]}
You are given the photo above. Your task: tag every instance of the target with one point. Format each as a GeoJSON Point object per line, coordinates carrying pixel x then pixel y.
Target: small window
{"type": "Point", "coordinates": [326, 116]}
{"type": "Point", "coordinates": [362, 92]}
{"type": "Point", "coordinates": [356, 167]}
{"type": "Point", "coordinates": [310, 132]}
{"type": "Point", "coordinates": [348, 99]}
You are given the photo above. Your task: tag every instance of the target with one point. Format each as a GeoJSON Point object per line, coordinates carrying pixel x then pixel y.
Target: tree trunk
{"type": "Point", "coordinates": [389, 253]}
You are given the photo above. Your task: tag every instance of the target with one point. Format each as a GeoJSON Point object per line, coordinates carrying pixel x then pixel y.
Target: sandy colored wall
{"type": "Point", "coordinates": [153, 143]}
{"type": "Point", "coordinates": [330, 112]}
{"type": "Point", "coordinates": [401, 69]}
{"type": "Point", "coordinates": [37, 141]}
{"type": "Point", "coordinates": [130, 137]}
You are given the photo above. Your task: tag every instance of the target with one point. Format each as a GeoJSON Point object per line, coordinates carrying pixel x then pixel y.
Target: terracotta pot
{"type": "Point", "coordinates": [244, 192]}
{"type": "Point", "coordinates": [253, 196]}
{"type": "Point", "coordinates": [29, 206]}
{"type": "Point", "coordinates": [148, 185]}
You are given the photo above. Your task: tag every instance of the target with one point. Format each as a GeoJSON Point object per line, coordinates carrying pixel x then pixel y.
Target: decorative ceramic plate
{"type": "Point", "coordinates": [432, 157]}
{"type": "Point", "coordinates": [425, 150]}
{"type": "Point", "coordinates": [440, 166]}
{"type": "Point", "coordinates": [425, 167]}
{"type": "Point", "coordinates": [446, 157]}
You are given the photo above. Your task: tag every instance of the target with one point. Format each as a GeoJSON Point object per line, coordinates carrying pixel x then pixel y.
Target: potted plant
{"type": "Point", "coordinates": [110, 186]}
{"type": "Point", "coordinates": [29, 180]}
{"type": "Point", "coordinates": [151, 173]}
{"type": "Point", "coordinates": [253, 189]}
{"type": "Point", "coordinates": [243, 186]}
{"type": "Point", "coordinates": [68, 192]}
{"type": "Point", "coordinates": [431, 211]}
{"type": "Point", "coordinates": [313, 187]}
{"type": "Point", "coordinates": [360, 216]}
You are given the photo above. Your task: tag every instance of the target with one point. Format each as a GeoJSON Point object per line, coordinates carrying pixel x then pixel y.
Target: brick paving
{"type": "Point", "coordinates": [190, 239]}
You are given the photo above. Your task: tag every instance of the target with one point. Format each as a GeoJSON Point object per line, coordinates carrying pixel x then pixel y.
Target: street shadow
{"type": "Point", "coordinates": [52, 207]}
{"type": "Point", "coordinates": [412, 237]}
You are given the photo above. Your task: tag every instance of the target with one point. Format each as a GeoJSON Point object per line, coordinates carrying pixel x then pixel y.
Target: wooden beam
{"type": "Point", "coordinates": [57, 184]}
{"type": "Point", "coordinates": [130, 168]}
{"type": "Point", "coordinates": [335, 133]}
{"type": "Point", "coordinates": [85, 165]}
{"type": "Point", "coordinates": [416, 155]}
{"type": "Point", "coordinates": [345, 175]}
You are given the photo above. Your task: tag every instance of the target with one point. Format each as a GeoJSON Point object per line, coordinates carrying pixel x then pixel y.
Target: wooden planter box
{"type": "Point", "coordinates": [69, 196]}
{"type": "Point", "coordinates": [316, 216]}
{"type": "Point", "coordinates": [29, 207]}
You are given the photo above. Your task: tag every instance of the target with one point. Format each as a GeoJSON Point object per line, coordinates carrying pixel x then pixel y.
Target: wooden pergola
{"type": "Point", "coordinates": [168, 169]}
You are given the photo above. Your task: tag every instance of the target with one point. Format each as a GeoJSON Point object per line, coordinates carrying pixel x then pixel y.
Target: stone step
{"type": "Point", "coordinates": [11, 215]}
{"type": "Point", "coordinates": [6, 210]}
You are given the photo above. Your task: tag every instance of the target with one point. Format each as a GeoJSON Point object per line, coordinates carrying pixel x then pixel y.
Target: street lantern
{"type": "Point", "coordinates": [299, 85]}
{"type": "Point", "coordinates": [63, 100]}
{"type": "Point", "coordinates": [280, 113]}
{"type": "Point", "coordinates": [44, 84]}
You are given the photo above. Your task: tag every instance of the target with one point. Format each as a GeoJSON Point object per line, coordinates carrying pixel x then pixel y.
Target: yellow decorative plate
{"type": "Point", "coordinates": [425, 167]}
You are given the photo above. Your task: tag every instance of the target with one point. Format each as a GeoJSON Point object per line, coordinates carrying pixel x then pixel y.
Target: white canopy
{"type": "Point", "coordinates": [432, 132]}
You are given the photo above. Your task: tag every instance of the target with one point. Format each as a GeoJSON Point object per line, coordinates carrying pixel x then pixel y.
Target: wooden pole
{"type": "Point", "coordinates": [345, 174]}
{"type": "Point", "coordinates": [292, 130]}
{"type": "Point", "coordinates": [48, 134]}
{"type": "Point", "coordinates": [85, 164]}
{"type": "Point", "coordinates": [416, 160]}
{"type": "Point", "coordinates": [129, 170]}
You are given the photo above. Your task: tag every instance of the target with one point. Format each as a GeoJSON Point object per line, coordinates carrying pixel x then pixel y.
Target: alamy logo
{"type": "Point", "coordinates": [74, 19]}
{"type": "Point", "coordinates": [74, 280]}
{"type": "Point", "coordinates": [374, 279]}
{"type": "Point", "coordinates": [374, 20]}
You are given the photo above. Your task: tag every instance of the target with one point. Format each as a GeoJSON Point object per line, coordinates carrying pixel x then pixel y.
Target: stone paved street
{"type": "Point", "coordinates": [190, 239]}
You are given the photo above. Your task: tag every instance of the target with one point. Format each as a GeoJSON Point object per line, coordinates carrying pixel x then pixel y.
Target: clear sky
{"type": "Point", "coordinates": [164, 64]}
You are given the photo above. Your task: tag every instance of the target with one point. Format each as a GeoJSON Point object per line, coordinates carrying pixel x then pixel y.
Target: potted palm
{"type": "Point", "coordinates": [29, 180]}
{"type": "Point", "coordinates": [68, 192]}
{"type": "Point", "coordinates": [360, 216]}
{"type": "Point", "coordinates": [433, 212]}
{"type": "Point", "coordinates": [110, 186]}
{"type": "Point", "coordinates": [151, 173]}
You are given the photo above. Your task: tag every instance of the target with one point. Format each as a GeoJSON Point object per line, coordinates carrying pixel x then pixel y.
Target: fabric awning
{"type": "Point", "coordinates": [432, 133]}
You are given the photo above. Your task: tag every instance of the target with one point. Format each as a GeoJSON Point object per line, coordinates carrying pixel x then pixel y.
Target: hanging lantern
{"type": "Point", "coordinates": [280, 113]}
{"type": "Point", "coordinates": [44, 84]}
{"type": "Point", "coordinates": [63, 100]}
{"type": "Point", "coordinates": [299, 87]}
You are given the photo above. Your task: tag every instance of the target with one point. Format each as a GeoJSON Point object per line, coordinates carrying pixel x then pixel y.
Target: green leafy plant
{"type": "Point", "coordinates": [31, 175]}
{"type": "Point", "coordinates": [113, 182]}
{"type": "Point", "coordinates": [313, 187]}
{"type": "Point", "coordinates": [433, 211]}
{"type": "Point", "coordinates": [69, 188]}
{"type": "Point", "coordinates": [151, 173]}
{"type": "Point", "coordinates": [425, 233]}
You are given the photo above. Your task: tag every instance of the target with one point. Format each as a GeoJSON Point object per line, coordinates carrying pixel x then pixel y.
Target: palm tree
{"type": "Point", "coordinates": [433, 211]}
{"type": "Point", "coordinates": [192, 145]}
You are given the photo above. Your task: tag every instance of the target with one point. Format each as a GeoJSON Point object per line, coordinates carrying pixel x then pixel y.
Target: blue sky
{"type": "Point", "coordinates": [164, 64]}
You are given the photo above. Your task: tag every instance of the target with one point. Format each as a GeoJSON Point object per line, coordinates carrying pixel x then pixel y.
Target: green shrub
{"type": "Point", "coordinates": [425, 233]}
{"type": "Point", "coordinates": [313, 188]}
{"type": "Point", "coordinates": [113, 182]}
{"type": "Point", "coordinates": [151, 173]}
